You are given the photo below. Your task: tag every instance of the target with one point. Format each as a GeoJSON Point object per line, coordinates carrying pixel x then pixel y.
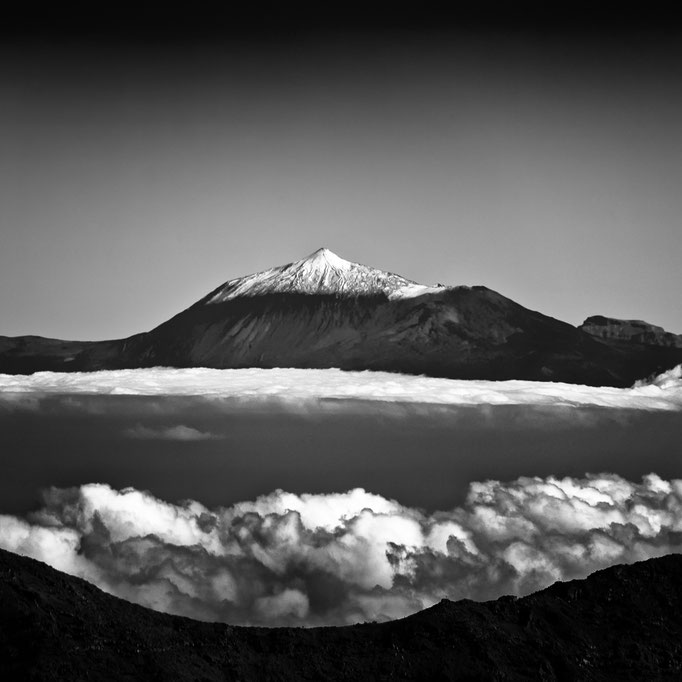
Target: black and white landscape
{"type": "Point", "coordinates": [323, 311]}
{"type": "Point", "coordinates": [621, 623]}
{"type": "Point", "coordinates": [373, 494]}
{"type": "Point", "coordinates": [452, 432]}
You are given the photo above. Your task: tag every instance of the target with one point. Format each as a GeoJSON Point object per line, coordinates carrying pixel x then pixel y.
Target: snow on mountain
{"type": "Point", "coordinates": [322, 272]}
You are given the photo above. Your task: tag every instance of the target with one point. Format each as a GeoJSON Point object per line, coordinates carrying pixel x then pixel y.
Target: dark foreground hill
{"type": "Point", "coordinates": [622, 623]}
{"type": "Point", "coordinates": [323, 311]}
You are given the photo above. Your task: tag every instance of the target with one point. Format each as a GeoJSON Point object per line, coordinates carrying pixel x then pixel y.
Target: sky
{"type": "Point", "coordinates": [138, 174]}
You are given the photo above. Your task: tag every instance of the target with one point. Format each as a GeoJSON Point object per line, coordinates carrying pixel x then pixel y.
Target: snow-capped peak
{"type": "Point", "coordinates": [322, 272]}
{"type": "Point", "coordinates": [326, 258]}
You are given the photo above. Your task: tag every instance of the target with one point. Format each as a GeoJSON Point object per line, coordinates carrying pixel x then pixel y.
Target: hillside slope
{"type": "Point", "coordinates": [622, 623]}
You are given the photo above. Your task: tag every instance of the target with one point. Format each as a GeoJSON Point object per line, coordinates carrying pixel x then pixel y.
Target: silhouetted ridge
{"type": "Point", "coordinates": [622, 623]}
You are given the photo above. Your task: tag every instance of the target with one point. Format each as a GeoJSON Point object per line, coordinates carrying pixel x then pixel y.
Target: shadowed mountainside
{"type": "Point", "coordinates": [325, 312]}
{"type": "Point", "coordinates": [623, 623]}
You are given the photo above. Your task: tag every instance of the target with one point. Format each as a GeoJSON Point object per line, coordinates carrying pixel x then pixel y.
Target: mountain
{"type": "Point", "coordinates": [630, 331]}
{"type": "Point", "coordinates": [322, 272]}
{"type": "Point", "coordinates": [323, 311]}
{"type": "Point", "coordinates": [621, 623]}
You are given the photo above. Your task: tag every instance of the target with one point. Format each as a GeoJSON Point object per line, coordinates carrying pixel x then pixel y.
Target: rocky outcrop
{"type": "Point", "coordinates": [635, 331]}
{"type": "Point", "coordinates": [622, 623]}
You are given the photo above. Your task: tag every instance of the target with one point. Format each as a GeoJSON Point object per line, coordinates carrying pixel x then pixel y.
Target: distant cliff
{"type": "Point", "coordinates": [635, 331]}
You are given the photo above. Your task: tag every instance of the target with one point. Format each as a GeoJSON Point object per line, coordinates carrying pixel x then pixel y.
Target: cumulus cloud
{"type": "Point", "coordinates": [346, 557]}
{"type": "Point", "coordinates": [179, 432]}
{"type": "Point", "coordinates": [298, 386]}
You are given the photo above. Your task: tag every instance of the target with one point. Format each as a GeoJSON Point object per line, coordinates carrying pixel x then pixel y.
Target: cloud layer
{"type": "Point", "coordinates": [300, 385]}
{"type": "Point", "coordinates": [346, 557]}
{"type": "Point", "coordinates": [179, 432]}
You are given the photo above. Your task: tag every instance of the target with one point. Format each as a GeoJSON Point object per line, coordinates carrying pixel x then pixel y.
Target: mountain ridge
{"type": "Point", "coordinates": [323, 311]}
{"type": "Point", "coordinates": [639, 331]}
{"type": "Point", "coordinates": [623, 622]}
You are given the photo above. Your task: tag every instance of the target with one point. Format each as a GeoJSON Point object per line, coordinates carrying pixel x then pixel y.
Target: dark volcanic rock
{"type": "Point", "coordinates": [324, 312]}
{"type": "Point", "coordinates": [460, 332]}
{"type": "Point", "coordinates": [622, 623]}
{"type": "Point", "coordinates": [28, 354]}
{"type": "Point", "coordinates": [636, 331]}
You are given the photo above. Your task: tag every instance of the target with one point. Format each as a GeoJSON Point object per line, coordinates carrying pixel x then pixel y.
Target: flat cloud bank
{"type": "Point", "coordinates": [337, 558]}
{"type": "Point", "coordinates": [294, 386]}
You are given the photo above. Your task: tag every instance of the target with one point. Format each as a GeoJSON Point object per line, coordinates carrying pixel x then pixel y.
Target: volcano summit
{"type": "Point", "coordinates": [322, 272]}
{"type": "Point", "coordinates": [324, 311]}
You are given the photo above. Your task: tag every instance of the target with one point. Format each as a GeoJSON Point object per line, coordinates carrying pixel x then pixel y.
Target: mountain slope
{"type": "Point", "coordinates": [457, 332]}
{"type": "Point", "coordinates": [323, 311]}
{"type": "Point", "coordinates": [322, 272]}
{"type": "Point", "coordinates": [621, 623]}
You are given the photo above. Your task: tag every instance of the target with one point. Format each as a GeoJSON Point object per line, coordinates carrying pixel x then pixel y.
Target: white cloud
{"type": "Point", "coordinates": [179, 432]}
{"type": "Point", "coordinates": [300, 386]}
{"type": "Point", "coordinates": [346, 557]}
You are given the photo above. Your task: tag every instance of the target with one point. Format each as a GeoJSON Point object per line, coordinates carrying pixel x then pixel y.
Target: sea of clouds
{"type": "Point", "coordinates": [346, 557]}
{"type": "Point", "coordinates": [298, 386]}
{"type": "Point", "coordinates": [343, 557]}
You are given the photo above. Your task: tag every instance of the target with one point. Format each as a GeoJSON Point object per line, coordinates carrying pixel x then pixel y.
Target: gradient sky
{"type": "Point", "coordinates": [134, 179]}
